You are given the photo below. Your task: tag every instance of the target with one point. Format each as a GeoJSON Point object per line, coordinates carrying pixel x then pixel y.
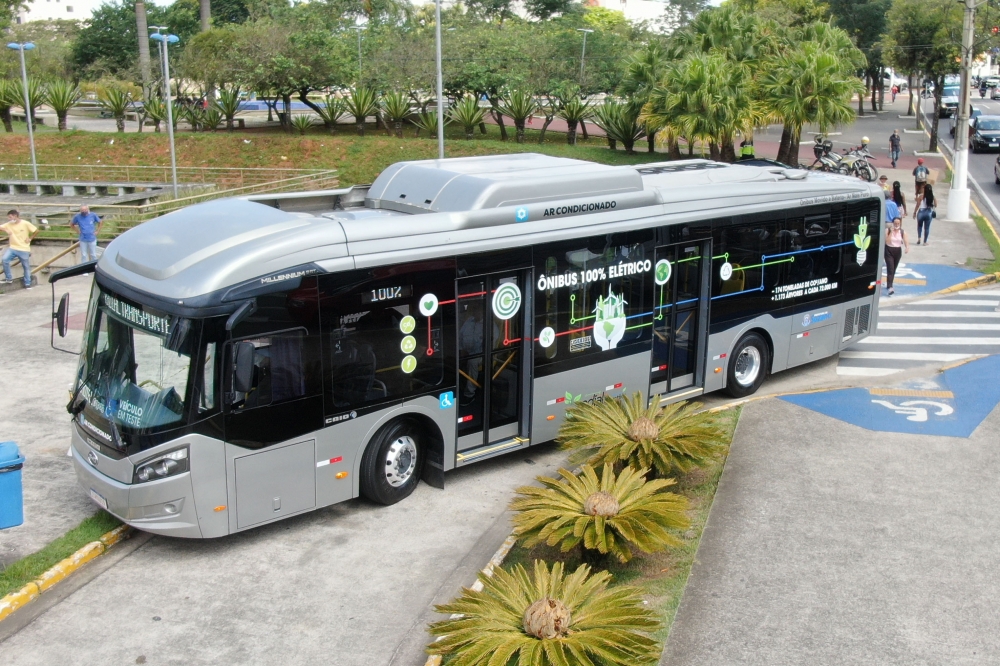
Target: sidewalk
{"type": "Point", "coordinates": [832, 544]}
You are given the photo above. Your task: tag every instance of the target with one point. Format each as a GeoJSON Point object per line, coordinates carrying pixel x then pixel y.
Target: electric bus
{"type": "Point", "coordinates": [249, 359]}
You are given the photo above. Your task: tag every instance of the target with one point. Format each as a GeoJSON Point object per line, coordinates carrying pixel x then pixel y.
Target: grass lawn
{"type": "Point", "coordinates": [662, 576]}
{"type": "Point", "coordinates": [991, 240]}
{"type": "Point", "coordinates": [25, 570]}
{"type": "Point", "coordinates": [359, 159]}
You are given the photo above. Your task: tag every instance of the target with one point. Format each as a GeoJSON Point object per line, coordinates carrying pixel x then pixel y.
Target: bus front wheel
{"type": "Point", "coordinates": [391, 465]}
{"type": "Point", "coordinates": [748, 365]}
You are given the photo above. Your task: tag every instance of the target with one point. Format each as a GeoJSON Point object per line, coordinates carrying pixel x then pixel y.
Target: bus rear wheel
{"type": "Point", "coordinates": [391, 465]}
{"type": "Point", "coordinates": [748, 366]}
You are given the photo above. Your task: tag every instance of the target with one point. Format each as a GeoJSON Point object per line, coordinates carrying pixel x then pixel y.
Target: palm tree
{"type": "Point", "coordinates": [331, 111]}
{"type": "Point", "coordinates": [396, 109]}
{"type": "Point", "coordinates": [607, 515]}
{"type": "Point", "coordinates": [363, 102]}
{"type": "Point", "coordinates": [574, 111]}
{"type": "Point", "coordinates": [428, 121]}
{"type": "Point", "coordinates": [36, 97]}
{"type": "Point", "coordinates": [156, 110]}
{"type": "Point", "coordinates": [520, 106]}
{"type": "Point", "coordinates": [302, 122]}
{"type": "Point", "coordinates": [62, 96]}
{"type": "Point", "coordinates": [468, 114]}
{"type": "Point", "coordinates": [547, 618]}
{"type": "Point", "coordinates": [672, 440]}
{"type": "Point", "coordinates": [229, 105]}
{"type": "Point", "coordinates": [620, 122]}
{"type": "Point", "coordinates": [643, 72]}
{"type": "Point", "coordinates": [8, 99]}
{"type": "Point", "coordinates": [117, 102]}
{"type": "Point", "coordinates": [212, 116]}
{"type": "Point", "coordinates": [810, 84]}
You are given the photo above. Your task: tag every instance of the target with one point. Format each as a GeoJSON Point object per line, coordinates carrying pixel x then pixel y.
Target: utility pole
{"type": "Point", "coordinates": [958, 197]}
{"type": "Point", "coordinates": [164, 40]}
{"type": "Point", "coordinates": [440, 77]}
{"type": "Point", "coordinates": [583, 52]}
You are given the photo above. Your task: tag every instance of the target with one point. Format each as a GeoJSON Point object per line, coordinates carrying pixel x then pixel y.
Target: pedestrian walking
{"type": "Point", "coordinates": [895, 245]}
{"type": "Point", "coordinates": [895, 147]}
{"type": "Point", "coordinates": [925, 212]}
{"type": "Point", "coordinates": [891, 209]}
{"type": "Point", "coordinates": [897, 196]}
{"type": "Point", "coordinates": [86, 225]}
{"type": "Point", "coordinates": [20, 233]}
{"type": "Point", "coordinates": [895, 91]}
{"type": "Point", "coordinates": [920, 174]}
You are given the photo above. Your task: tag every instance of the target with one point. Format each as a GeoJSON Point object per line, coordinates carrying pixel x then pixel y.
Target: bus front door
{"type": "Point", "coordinates": [680, 325]}
{"type": "Point", "coordinates": [491, 311]}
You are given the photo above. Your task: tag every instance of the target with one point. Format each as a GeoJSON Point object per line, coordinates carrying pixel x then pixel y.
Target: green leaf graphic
{"type": "Point", "coordinates": [569, 396]}
{"type": "Point", "coordinates": [868, 240]}
{"type": "Point", "coordinates": [577, 398]}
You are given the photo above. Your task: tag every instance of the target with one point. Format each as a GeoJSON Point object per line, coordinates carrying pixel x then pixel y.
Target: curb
{"type": "Point", "coordinates": [62, 570]}
{"type": "Point", "coordinates": [981, 281]}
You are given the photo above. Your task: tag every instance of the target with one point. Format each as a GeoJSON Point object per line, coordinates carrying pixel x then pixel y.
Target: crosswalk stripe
{"type": "Point", "coordinates": [905, 356]}
{"type": "Point", "coordinates": [939, 314]}
{"type": "Point", "coordinates": [950, 340]}
{"type": "Point", "coordinates": [865, 372]}
{"type": "Point", "coordinates": [962, 301]}
{"type": "Point", "coordinates": [918, 326]}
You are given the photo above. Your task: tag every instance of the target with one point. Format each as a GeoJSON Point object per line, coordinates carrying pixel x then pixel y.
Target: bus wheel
{"type": "Point", "coordinates": [748, 366]}
{"type": "Point", "coordinates": [390, 468]}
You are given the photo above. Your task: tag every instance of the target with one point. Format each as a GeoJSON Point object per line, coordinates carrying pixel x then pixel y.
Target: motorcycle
{"type": "Point", "coordinates": [826, 159]}
{"type": "Point", "coordinates": [856, 161]}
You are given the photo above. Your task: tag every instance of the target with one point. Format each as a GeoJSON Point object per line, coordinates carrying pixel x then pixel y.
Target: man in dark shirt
{"type": "Point", "coordinates": [895, 147]}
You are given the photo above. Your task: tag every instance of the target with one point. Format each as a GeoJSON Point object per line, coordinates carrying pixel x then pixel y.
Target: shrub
{"type": "Point", "coordinates": [547, 618]}
{"type": "Point", "coordinates": [117, 102]}
{"type": "Point", "coordinates": [610, 515]}
{"type": "Point", "coordinates": [672, 440]}
{"type": "Point", "coordinates": [468, 114]}
{"type": "Point", "coordinates": [519, 106]}
{"type": "Point", "coordinates": [302, 122]}
{"type": "Point", "coordinates": [363, 102]}
{"type": "Point", "coordinates": [428, 121]}
{"type": "Point", "coordinates": [331, 111]}
{"type": "Point", "coordinates": [620, 122]}
{"type": "Point", "coordinates": [573, 112]}
{"type": "Point", "coordinates": [396, 109]}
{"type": "Point", "coordinates": [62, 96]}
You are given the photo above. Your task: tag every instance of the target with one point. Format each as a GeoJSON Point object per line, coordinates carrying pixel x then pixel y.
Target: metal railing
{"type": "Point", "coordinates": [224, 177]}
{"type": "Point", "coordinates": [121, 217]}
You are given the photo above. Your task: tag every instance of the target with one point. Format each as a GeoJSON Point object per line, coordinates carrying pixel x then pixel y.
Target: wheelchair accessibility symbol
{"type": "Point", "coordinates": [915, 413]}
{"type": "Point", "coordinates": [447, 400]}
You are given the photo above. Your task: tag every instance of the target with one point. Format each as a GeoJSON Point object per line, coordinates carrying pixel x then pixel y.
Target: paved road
{"type": "Point", "coordinates": [934, 331]}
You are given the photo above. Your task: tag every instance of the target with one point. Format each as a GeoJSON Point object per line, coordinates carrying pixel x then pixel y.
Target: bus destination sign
{"type": "Point", "coordinates": [137, 316]}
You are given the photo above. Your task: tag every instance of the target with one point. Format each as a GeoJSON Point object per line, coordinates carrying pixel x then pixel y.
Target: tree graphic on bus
{"type": "Point", "coordinates": [862, 240]}
{"type": "Point", "coordinates": [609, 323]}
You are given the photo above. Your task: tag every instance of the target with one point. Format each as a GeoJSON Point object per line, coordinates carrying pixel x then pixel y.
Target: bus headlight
{"type": "Point", "coordinates": [162, 466]}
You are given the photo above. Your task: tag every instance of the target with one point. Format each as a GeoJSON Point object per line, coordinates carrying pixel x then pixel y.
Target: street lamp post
{"type": "Point", "coordinates": [359, 28]}
{"type": "Point", "coordinates": [21, 47]}
{"type": "Point", "coordinates": [164, 41]}
{"type": "Point", "coordinates": [440, 77]}
{"type": "Point", "coordinates": [583, 52]}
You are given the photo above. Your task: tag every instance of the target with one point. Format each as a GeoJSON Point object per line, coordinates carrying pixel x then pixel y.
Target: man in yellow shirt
{"type": "Point", "coordinates": [19, 234]}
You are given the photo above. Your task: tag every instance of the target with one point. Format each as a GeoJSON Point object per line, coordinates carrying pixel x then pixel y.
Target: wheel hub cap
{"type": "Point", "coordinates": [747, 366]}
{"type": "Point", "coordinates": [400, 461]}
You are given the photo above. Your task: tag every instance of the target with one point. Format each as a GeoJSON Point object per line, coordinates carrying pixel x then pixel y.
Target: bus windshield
{"type": "Point", "coordinates": [136, 367]}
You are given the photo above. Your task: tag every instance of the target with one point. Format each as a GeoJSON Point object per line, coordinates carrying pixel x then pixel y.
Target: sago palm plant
{"type": "Point", "coordinates": [331, 111]}
{"type": "Point", "coordinates": [302, 122]}
{"type": "Point", "coordinates": [428, 121]}
{"type": "Point", "coordinates": [36, 97]}
{"type": "Point", "coordinates": [608, 515]}
{"type": "Point", "coordinates": [362, 102]}
{"type": "Point", "coordinates": [672, 440]}
{"type": "Point", "coordinates": [519, 105]}
{"type": "Point", "coordinates": [156, 110]}
{"type": "Point", "coordinates": [117, 102]}
{"type": "Point", "coordinates": [396, 109]}
{"type": "Point", "coordinates": [547, 618]}
{"type": "Point", "coordinates": [212, 117]}
{"type": "Point", "coordinates": [620, 121]}
{"type": "Point", "coordinates": [468, 114]}
{"type": "Point", "coordinates": [574, 111]}
{"type": "Point", "coordinates": [229, 104]}
{"type": "Point", "coordinates": [8, 99]}
{"type": "Point", "coordinates": [62, 96]}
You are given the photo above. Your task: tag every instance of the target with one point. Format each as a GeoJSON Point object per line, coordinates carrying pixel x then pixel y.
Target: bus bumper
{"type": "Point", "coordinates": [163, 507]}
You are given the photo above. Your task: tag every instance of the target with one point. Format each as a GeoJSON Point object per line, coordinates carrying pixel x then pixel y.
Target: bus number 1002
{"type": "Point", "coordinates": [386, 294]}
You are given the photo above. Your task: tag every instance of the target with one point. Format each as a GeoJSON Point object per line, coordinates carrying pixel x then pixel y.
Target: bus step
{"type": "Point", "coordinates": [490, 450]}
{"type": "Point", "coordinates": [678, 395]}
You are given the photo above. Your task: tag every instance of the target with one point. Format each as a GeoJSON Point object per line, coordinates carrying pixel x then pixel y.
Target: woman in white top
{"type": "Point", "coordinates": [895, 244]}
{"type": "Point", "coordinates": [924, 211]}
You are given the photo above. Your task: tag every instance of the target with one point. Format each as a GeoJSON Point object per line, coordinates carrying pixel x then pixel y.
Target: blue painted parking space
{"type": "Point", "coordinates": [950, 404]}
{"type": "Point", "coordinates": [920, 279]}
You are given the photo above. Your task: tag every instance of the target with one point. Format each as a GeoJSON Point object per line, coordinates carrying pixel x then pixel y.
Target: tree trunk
{"type": "Point", "coordinates": [286, 107]}
{"type": "Point", "coordinates": [793, 147]}
{"type": "Point", "coordinates": [519, 131]}
{"type": "Point", "coordinates": [205, 7]}
{"type": "Point", "coordinates": [360, 124]}
{"type": "Point", "coordinates": [470, 133]}
{"type": "Point", "coordinates": [120, 123]}
{"type": "Point", "coordinates": [629, 146]}
{"type": "Point", "coordinates": [61, 115]}
{"type": "Point", "coordinates": [583, 129]}
{"type": "Point", "coordinates": [5, 116]}
{"type": "Point", "coordinates": [861, 100]}
{"type": "Point", "coordinates": [690, 145]}
{"type": "Point", "coordinates": [304, 98]}
{"type": "Point", "coordinates": [881, 88]}
{"type": "Point", "coordinates": [874, 91]}
{"type": "Point", "coordinates": [571, 132]}
{"type": "Point", "coordinates": [909, 86]}
{"type": "Point", "coordinates": [713, 151]}
{"type": "Point", "coordinates": [482, 128]}
{"type": "Point", "coordinates": [545, 126]}
{"type": "Point", "coordinates": [938, 89]}
{"type": "Point", "coordinates": [499, 118]}
{"type": "Point", "coordinates": [142, 29]}
{"type": "Point", "coordinates": [674, 150]}
{"type": "Point", "coordinates": [728, 151]}
{"type": "Point", "coordinates": [270, 108]}
{"type": "Point", "coordinates": [786, 140]}
{"type": "Point", "coordinates": [612, 143]}
{"type": "Point", "coordinates": [230, 125]}
{"type": "Point", "coordinates": [156, 126]}
{"type": "Point", "coordinates": [651, 142]}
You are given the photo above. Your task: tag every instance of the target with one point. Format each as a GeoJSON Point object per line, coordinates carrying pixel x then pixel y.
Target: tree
{"type": "Point", "coordinates": [547, 618]}
{"type": "Point", "coordinates": [117, 102]}
{"type": "Point", "coordinates": [52, 56]}
{"type": "Point", "coordinates": [109, 44]}
{"type": "Point", "coordinates": [205, 14]}
{"type": "Point", "coordinates": [62, 96]}
{"type": "Point", "coordinates": [8, 99]}
{"type": "Point", "coordinates": [142, 31]}
{"type": "Point", "coordinates": [467, 113]}
{"type": "Point", "coordinates": [679, 13]}
{"type": "Point", "coordinates": [574, 111]}
{"type": "Point", "coordinates": [519, 105]}
{"type": "Point", "coordinates": [546, 9]}
{"type": "Point", "coordinates": [865, 22]}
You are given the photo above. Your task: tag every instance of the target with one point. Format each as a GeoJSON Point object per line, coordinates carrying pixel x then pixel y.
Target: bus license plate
{"type": "Point", "coordinates": [96, 496]}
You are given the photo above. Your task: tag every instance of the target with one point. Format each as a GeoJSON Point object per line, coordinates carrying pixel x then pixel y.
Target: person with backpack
{"type": "Point", "coordinates": [920, 174]}
{"type": "Point", "coordinates": [926, 203]}
{"type": "Point", "coordinates": [895, 244]}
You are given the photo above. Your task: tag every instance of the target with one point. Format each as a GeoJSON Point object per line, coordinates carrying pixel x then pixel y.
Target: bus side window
{"type": "Point", "coordinates": [279, 373]}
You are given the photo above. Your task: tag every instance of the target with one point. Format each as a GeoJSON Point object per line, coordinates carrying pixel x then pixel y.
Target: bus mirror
{"type": "Point", "coordinates": [243, 373]}
{"type": "Point", "coordinates": [62, 316]}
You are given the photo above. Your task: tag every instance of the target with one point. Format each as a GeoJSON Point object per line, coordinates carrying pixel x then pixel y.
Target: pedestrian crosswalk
{"type": "Point", "coordinates": [935, 331]}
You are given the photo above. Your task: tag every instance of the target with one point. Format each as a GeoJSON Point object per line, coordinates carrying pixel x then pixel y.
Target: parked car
{"type": "Point", "coordinates": [949, 101]}
{"type": "Point", "coordinates": [996, 170]}
{"type": "Point", "coordinates": [974, 112]}
{"type": "Point", "coordinates": [995, 92]}
{"type": "Point", "coordinates": [985, 134]}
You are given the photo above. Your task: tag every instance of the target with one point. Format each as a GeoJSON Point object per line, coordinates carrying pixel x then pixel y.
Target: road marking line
{"type": "Point", "coordinates": [866, 372]}
{"type": "Point", "coordinates": [917, 340]}
{"type": "Point", "coordinates": [962, 301]}
{"type": "Point", "coordinates": [916, 326]}
{"type": "Point", "coordinates": [939, 313]}
{"type": "Point", "coordinates": [911, 393]}
{"type": "Point", "coordinates": [903, 356]}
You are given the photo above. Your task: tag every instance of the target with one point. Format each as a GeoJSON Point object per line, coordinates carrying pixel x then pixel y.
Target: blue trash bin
{"type": "Point", "coordinates": [11, 497]}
